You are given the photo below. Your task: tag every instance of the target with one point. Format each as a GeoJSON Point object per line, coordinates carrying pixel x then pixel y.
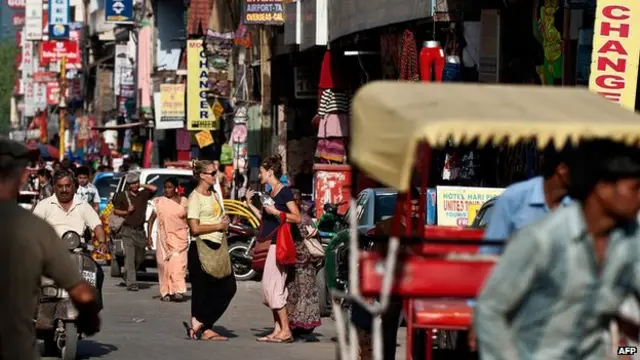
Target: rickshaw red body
{"type": "Point", "coordinates": [436, 287]}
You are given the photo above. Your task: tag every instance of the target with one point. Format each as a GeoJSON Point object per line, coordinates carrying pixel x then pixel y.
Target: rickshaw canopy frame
{"type": "Point", "coordinates": [389, 119]}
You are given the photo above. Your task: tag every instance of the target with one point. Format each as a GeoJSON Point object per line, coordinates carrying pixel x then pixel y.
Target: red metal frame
{"type": "Point", "coordinates": [436, 287]}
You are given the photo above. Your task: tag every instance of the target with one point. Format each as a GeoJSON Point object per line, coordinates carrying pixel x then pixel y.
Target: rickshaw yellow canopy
{"type": "Point", "coordinates": [389, 119]}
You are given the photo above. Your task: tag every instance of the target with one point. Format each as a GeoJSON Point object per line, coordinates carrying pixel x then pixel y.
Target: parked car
{"type": "Point", "coordinates": [27, 199]}
{"type": "Point", "coordinates": [106, 183]}
{"type": "Point", "coordinates": [155, 177]}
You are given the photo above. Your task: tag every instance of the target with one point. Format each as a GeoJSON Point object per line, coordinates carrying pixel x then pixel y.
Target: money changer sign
{"type": "Point", "coordinates": [200, 116]}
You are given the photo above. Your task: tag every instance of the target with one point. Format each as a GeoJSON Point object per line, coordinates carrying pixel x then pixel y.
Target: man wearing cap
{"type": "Point", "coordinates": [132, 205]}
{"type": "Point", "coordinates": [30, 249]}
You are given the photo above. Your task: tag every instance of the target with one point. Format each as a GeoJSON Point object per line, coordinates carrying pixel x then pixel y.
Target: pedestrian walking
{"type": "Point", "coordinates": [213, 285]}
{"type": "Point", "coordinates": [274, 275]}
{"type": "Point", "coordinates": [86, 190]}
{"type": "Point", "coordinates": [45, 188]}
{"type": "Point", "coordinates": [132, 205]}
{"type": "Point", "coordinates": [172, 241]}
{"type": "Point", "coordinates": [303, 303]}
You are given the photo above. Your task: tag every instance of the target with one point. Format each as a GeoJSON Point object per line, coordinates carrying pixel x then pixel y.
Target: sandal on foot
{"type": "Point", "coordinates": [264, 339]}
{"type": "Point", "coordinates": [191, 333]}
{"type": "Point", "coordinates": [288, 340]}
{"type": "Point", "coordinates": [165, 298]}
{"type": "Point", "coordinates": [216, 337]}
{"type": "Point", "coordinates": [177, 298]}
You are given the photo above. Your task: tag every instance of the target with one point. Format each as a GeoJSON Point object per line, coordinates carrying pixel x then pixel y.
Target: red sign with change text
{"type": "Point", "coordinates": [52, 50]}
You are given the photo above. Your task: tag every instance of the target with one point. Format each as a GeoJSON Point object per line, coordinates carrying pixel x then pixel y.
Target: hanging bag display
{"type": "Point", "coordinates": [226, 154]}
{"type": "Point", "coordinates": [285, 246]}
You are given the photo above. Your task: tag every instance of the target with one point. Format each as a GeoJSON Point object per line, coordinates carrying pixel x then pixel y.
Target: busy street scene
{"type": "Point", "coordinates": [320, 179]}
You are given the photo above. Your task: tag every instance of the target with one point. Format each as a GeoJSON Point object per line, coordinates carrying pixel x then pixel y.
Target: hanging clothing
{"type": "Point", "coordinates": [254, 128]}
{"type": "Point", "coordinates": [171, 245]}
{"type": "Point", "coordinates": [334, 125]}
{"type": "Point", "coordinates": [333, 102]}
{"type": "Point", "coordinates": [409, 58]}
{"type": "Point", "coordinates": [331, 150]}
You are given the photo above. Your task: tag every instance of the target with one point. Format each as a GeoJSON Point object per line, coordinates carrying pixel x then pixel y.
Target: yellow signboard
{"type": "Point", "coordinates": [172, 102]}
{"type": "Point", "coordinates": [616, 51]}
{"type": "Point", "coordinates": [454, 203]}
{"type": "Point", "coordinates": [204, 138]}
{"type": "Point", "coordinates": [199, 113]}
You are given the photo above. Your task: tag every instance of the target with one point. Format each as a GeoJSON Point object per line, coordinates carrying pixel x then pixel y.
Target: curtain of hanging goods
{"type": "Point", "coordinates": [409, 58]}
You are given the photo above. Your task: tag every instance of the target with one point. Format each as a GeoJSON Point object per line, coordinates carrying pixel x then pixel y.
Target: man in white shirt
{"type": "Point", "coordinates": [86, 190]}
{"type": "Point", "coordinates": [67, 212]}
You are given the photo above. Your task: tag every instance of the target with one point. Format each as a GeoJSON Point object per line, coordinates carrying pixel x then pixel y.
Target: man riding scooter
{"type": "Point", "coordinates": [67, 212]}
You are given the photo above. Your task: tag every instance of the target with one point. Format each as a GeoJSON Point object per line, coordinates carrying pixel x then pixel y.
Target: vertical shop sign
{"type": "Point", "coordinates": [122, 69]}
{"type": "Point", "coordinates": [118, 11]}
{"type": "Point", "coordinates": [199, 113]}
{"type": "Point", "coordinates": [171, 106]}
{"type": "Point", "coordinates": [28, 63]}
{"type": "Point", "coordinates": [33, 20]}
{"type": "Point", "coordinates": [59, 19]}
{"type": "Point", "coordinates": [616, 50]}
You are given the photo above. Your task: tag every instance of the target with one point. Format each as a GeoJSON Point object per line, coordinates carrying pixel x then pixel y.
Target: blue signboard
{"type": "Point", "coordinates": [118, 11]}
{"type": "Point", "coordinates": [59, 19]}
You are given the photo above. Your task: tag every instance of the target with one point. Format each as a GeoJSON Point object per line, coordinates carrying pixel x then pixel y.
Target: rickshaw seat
{"type": "Point", "coordinates": [439, 314]}
{"type": "Point", "coordinates": [435, 285]}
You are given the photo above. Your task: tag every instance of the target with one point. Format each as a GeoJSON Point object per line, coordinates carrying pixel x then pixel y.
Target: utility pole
{"type": "Point", "coordinates": [62, 105]}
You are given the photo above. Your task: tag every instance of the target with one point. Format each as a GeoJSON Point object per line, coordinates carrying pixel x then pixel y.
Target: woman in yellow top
{"type": "Point", "coordinates": [212, 282]}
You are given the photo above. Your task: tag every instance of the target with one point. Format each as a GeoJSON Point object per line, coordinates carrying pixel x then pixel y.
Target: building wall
{"type": "Point", "coordinates": [170, 28]}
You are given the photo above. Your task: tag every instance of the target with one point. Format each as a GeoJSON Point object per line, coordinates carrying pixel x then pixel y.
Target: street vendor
{"type": "Point", "coordinates": [558, 284]}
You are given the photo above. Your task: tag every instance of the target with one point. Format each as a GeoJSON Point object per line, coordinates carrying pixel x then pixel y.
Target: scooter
{"type": "Point", "coordinates": [56, 315]}
{"type": "Point", "coordinates": [241, 240]}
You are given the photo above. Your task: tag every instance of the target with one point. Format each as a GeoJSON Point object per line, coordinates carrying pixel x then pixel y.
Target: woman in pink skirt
{"type": "Point", "coordinates": [274, 276]}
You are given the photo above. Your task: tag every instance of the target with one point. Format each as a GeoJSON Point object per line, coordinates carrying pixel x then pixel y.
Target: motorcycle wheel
{"type": "Point", "coordinates": [50, 346]}
{"type": "Point", "coordinates": [115, 270]}
{"type": "Point", "coordinates": [242, 272]}
{"type": "Point", "coordinates": [70, 349]}
{"type": "Point", "coordinates": [323, 294]}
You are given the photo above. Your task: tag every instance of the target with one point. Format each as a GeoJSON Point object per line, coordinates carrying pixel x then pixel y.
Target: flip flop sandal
{"type": "Point", "coordinates": [192, 334]}
{"type": "Point", "coordinates": [263, 339]}
{"type": "Point", "coordinates": [165, 298]}
{"type": "Point", "coordinates": [215, 338]}
{"type": "Point", "coordinates": [288, 340]}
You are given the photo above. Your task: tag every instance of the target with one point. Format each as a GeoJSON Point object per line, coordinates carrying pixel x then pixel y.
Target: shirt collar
{"type": "Point", "coordinates": [75, 202]}
{"type": "Point", "coordinates": [537, 194]}
{"type": "Point", "coordinates": [578, 229]}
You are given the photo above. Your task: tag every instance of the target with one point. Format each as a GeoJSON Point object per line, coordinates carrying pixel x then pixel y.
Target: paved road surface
{"type": "Point", "coordinates": [139, 326]}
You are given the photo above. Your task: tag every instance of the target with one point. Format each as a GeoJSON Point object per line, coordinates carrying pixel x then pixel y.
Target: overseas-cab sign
{"type": "Point", "coordinates": [268, 12]}
{"type": "Point", "coordinates": [616, 50]}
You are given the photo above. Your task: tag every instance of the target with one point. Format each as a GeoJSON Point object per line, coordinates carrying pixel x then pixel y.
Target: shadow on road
{"type": "Point", "coordinates": [88, 349]}
{"type": "Point", "coordinates": [224, 332]}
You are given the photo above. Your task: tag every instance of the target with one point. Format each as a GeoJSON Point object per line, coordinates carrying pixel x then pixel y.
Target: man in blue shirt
{"type": "Point", "coordinates": [528, 201]}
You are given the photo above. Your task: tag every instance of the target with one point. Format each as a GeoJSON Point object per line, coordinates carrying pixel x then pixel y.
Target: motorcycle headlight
{"type": "Point", "coordinates": [72, 239]}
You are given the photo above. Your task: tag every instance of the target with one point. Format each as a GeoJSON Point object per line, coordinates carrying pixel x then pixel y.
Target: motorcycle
{"type": "Point", "coordinates": [241, 240]}
{"type": "Point", "coordinates": [56, 315]}
{"type": "Point", "coordinates": [329, 224]}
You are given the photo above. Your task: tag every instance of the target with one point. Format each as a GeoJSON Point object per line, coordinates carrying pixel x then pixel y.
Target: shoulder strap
{"type": "Point", "coordinates": [126, 194]}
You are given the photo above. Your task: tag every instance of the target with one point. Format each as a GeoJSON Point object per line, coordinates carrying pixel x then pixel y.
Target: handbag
{"type": "Point", "coordinates": [116, 221]}
{"type": "Point", "coordinates": [215, 262]}
{"type": "Point", "coordinates": [315, 248]}
{"type": "Point", "coordinates": [260, 250]}
{"type": "Point", "coordinates": [285, 246]}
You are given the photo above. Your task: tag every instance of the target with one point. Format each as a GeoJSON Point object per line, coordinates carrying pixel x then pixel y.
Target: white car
{"type": "Point", "coordinates": [27, 199]}
{"type": "Point", "coordinates": [155, 177]}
